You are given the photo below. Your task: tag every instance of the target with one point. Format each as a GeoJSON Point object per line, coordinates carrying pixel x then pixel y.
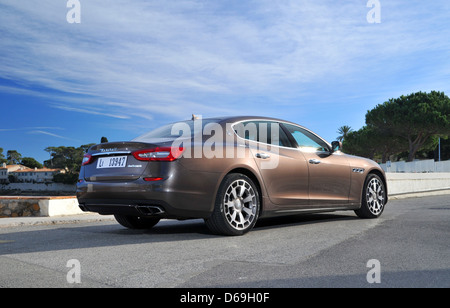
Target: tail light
{"type": "Point", "coordinates": [87, 159]}
{"type": "Point", "coordinates": [153, 179]}
{"type": "Point", "coordinates": [159, 154]}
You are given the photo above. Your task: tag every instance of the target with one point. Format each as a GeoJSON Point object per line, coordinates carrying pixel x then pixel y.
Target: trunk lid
{"type": "Point", "coordinates": [113, 161]}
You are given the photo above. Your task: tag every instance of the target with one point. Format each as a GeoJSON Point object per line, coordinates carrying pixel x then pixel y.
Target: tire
{"type": "Point", "coordinates": [373, 198]}
{"type": "Point", "coordinates": [237, 206]}
{"type": "Point", "coordinates": [135, 222]}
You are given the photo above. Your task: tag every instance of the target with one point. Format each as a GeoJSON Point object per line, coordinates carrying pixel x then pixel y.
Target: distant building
{"type": "Point", "coordinates": [35, 175]}
{"type": "Point", "coordinates": [6, 170]}
{"type": "Point", "coordinates": [23, 174]}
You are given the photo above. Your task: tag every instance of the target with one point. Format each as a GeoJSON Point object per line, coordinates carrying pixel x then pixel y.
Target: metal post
{"type": "Point", "coordinates": [439, 148]}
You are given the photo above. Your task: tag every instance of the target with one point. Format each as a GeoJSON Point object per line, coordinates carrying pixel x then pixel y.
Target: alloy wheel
{"type": "Point", "coordinates": [240, 204]}
{"type": "Point", "coordinates": [375, 196]}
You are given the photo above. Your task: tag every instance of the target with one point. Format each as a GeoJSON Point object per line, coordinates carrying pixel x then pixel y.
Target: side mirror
{"type": "Point", "coordinates": [336, 146]}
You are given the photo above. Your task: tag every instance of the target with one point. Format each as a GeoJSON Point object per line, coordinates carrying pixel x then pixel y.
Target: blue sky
{"type": "Point", "coordinates": [130, 66]}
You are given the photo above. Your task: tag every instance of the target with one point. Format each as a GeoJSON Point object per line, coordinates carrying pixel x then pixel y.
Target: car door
{"type": "Point", "coordinates": [329, 172]}
{"type": "Point", "coordinates": [283, 168]}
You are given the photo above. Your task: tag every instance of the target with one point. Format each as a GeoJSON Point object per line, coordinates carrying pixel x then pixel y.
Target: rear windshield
{"type": "Point", "coordinates": [176, 130]}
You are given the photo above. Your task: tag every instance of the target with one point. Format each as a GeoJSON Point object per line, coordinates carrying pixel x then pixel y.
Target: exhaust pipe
{"type": "Point", "coordinates": [149, 210]}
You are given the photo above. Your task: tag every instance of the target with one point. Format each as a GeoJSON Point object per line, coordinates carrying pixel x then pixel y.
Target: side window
{"type": "Point", "coordinates": [306, 141]}
{"type": "Point", "coordinates": [277, 135]}
{"type": "Point", "coordinates": [263, 131]}
{"type": "Point", "coordinates": [247, 130]}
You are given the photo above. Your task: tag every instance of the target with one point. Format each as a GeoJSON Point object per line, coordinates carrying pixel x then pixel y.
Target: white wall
{"type": "Point", "coordinates": [428, 165]}
{"type": "Point", "coordinates": [59, 206]}
{"type": "Point", "coordinates": [405, 183]}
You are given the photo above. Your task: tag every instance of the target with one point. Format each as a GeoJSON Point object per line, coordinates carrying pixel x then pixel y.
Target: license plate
{"type": "Point", "coordinates": [112, 162]}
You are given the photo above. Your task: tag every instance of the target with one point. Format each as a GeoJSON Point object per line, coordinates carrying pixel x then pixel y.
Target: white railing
{"type": "Point", "coordinates": [418, 166]}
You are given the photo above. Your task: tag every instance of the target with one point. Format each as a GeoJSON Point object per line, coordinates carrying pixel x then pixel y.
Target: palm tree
{"type": "Point", "coordinates": [343, 132]}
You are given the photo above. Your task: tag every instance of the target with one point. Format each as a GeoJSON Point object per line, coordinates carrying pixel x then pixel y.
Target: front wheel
{"type": "Point", "coordinates": [373, 198]}
{"type": "Point", "coordinates": [237, 206]}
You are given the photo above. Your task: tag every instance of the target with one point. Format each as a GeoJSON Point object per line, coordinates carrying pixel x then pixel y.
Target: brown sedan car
{"type": "Point", "coordinates": [229, 171]}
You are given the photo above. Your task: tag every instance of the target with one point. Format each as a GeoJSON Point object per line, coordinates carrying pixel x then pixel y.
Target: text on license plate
{"type": "Point", "coordinates": [112, 162]}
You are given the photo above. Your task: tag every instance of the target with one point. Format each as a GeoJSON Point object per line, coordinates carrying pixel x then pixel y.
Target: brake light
{"type": "Point", "coordinates": [153, 179]}
{"type": "Point", "coordinates": [159, 154]}
{"type": "Point", "coordinates": [87, 159]}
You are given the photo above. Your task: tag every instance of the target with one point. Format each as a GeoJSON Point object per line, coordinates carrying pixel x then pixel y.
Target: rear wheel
{"type": "Point", "coordinates": [373, 198]}
{"type": "Point", "coordinates": [237, 206]}
{"type": "Point", "coordinates": [135, 222]}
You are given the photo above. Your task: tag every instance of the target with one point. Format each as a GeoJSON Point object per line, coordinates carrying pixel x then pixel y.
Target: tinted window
{"type": "Point", "coordinates": [263, 131]}
{"type": "Point", "coordinates": [174, 130]}
{"type": "Point", "coordinates": [306, 140]}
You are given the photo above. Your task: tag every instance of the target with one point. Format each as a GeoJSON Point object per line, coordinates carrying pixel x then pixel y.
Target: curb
{"type": "Point", "coordinates": [419, 194]}
{"type": "Point", "coordinates": [68, 219]}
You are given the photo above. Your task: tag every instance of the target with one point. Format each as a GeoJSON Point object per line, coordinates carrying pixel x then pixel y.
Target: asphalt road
{"type": "Point", "coordinates": [410, 242]}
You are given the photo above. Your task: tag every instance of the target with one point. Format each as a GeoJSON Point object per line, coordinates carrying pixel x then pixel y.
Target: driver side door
{"type": "Point", "coordinates": [329, 173]}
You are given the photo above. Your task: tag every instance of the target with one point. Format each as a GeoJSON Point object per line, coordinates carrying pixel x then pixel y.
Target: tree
{"type": "Point", "coordinates": [343, 131]}
{"type": "Point", "coordinates": [13, 157]}
{"type": "Point", "coordinates": [413, 118]}
{"type": "Point", "coordinates": [31, 162]}
{"type": "Point", "coordinates": [67, 158]}
{"type": "Point", "coordinates": [360, 143]}
{"type": "Point", "coordinates": [370, 142]}
{"type": "Point", "coordinates": [445, 149]}
{"type": "Point", "coordinates": [2, 157]}
{"type": "Point", "coordinates": [103, 140]}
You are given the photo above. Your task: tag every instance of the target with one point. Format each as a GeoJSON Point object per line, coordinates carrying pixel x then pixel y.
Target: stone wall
{"type": "Point", "coordinates": [21, 206]}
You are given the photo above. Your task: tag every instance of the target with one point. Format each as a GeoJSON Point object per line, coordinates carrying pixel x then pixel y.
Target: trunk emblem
{"type": "Point", "coordinates": [108, 150]}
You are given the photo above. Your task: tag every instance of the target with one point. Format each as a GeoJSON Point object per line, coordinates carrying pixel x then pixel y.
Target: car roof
{"type": "Point", "coordinates": [233, 119]}
{"type": "Point", "coordinates": [246, 118]}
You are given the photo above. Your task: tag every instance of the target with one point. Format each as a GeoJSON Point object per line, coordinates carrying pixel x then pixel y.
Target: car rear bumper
{"type": "Point", "coordinates": [108, 207]}
{"type": "Point", "coordinates": [141, 198]}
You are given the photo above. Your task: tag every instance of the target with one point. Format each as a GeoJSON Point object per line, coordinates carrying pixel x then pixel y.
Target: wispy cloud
{"type": "Point", "coordinates": [37, 130]}
{"type": "Point", "coordinates": [30, 128]}
{"type": "Point", "coordinates": [42, 132]}
{"type": "Point", "coordinates": [160, 58]}
{"type": "Point", "coordinates": [90, 111]}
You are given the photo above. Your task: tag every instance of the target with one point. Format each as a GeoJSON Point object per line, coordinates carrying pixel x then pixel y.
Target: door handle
{"type": "Point", "coordinates": [314, 161]}
{"type": "Point", "coordinates": [262, 155]}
